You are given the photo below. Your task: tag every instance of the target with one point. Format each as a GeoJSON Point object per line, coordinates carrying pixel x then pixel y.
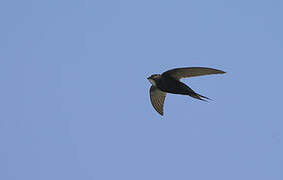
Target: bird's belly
{"type": "Point", "coordinates": [177, 91]}
{"type": "Point", "coordinates": [175, 88]}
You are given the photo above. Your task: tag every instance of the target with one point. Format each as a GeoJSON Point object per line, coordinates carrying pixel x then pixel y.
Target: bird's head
{"type": "Point", "coordinates": [154, 78]}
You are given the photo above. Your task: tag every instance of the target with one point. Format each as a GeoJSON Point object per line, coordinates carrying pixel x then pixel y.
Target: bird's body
{"type": "Point", "coordinates": [169, 82]}
{"type": "Point", "coordinates": [171, 85]}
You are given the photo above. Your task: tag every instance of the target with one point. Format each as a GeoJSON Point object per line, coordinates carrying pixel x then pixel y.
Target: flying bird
{"type": "Point", "coordinates": [169, 82]}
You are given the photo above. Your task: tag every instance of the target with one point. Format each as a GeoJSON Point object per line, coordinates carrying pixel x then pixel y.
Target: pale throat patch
{"type": "Point", "coordinates": [152, 82]}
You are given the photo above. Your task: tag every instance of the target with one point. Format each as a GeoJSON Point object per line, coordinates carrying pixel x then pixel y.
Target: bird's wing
{"type": "Point", "coordinates": [179, 73]}
{"type": "Point", "coordinates": [157, 98]}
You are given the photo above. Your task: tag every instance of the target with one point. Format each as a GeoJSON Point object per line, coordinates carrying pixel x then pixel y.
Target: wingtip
{"type": "Point", "coordinates": [222, 72]}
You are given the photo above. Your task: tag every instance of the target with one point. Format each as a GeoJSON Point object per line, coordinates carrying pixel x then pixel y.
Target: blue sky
{"type": "Point", "coordinates": [75, 98]}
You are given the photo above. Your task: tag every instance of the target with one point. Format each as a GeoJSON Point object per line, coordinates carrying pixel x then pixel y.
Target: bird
{"type": "Point", "coordinates": [169, 82]}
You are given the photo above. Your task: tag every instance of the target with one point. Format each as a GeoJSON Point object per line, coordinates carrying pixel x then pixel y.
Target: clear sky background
{"type": "Point", "coordinates": [75, 98]}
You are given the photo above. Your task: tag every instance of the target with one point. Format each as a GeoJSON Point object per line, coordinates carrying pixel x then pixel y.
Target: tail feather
{"type": "Point", "coordinates": [200, 97]}
{"type": "Point", "coordinates": [204, 97]}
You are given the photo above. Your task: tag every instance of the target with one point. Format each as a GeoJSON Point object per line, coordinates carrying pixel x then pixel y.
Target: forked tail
{"type": "Point", "coordinates": [198, 96]}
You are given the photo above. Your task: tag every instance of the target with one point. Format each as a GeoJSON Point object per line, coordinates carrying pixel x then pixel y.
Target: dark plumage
{"type": "Point", "coordinates": [169, 82]}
